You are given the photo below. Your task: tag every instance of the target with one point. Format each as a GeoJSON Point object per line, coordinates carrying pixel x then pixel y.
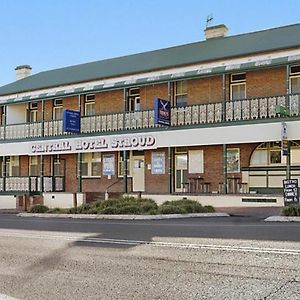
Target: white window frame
{"type": "Point", "coordinates": [33, 111]}
{"type": "Point", "coordinates": [181, 93]}
{"type": "Point", "coordinates": [196, 161]}
{"type": "Point", "coordinates": [292, 76]}
{"type": "Point", "coordinates": [90, 159]}
{"type": "Point", "coordinates": [57, 107]}
{"type": "Point", "coordinates": [238, 82]}
{"type": "Point", "coordinates": [89, 101]}
{"type": "Point", "coordinates": [134, 99]}
{"type": "Point", "coordinates": [238, 170]}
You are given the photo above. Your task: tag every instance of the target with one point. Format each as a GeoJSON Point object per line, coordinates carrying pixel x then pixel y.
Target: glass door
{"type": "Point", "coordinates": [181, 171]}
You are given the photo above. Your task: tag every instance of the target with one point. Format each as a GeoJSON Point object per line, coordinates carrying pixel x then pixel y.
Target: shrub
{"type": "Point", "coordinates": [170, 209]}
{"type": "Point", "coordinates": [184, 206]}
{"type": "Point", "coordinates": [208, 209]}
{"type": "Point", "coordinates": [291, 210]}
{"type": "Point", "coordinates": [39, 208]}
{"type": "Point", "coordinates": [180, 206]}
{"type": "Point", "coordinates": [55, 210]}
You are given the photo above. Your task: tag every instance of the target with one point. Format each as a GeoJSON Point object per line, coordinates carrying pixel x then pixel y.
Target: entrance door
{"type": "Point", "coordinates": [181, 170]}
{"type": "Point", "coordinates": [138, 174]}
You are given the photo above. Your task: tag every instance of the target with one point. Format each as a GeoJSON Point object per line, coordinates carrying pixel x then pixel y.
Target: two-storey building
{"type": "Point", "coordinates": [234, 103]}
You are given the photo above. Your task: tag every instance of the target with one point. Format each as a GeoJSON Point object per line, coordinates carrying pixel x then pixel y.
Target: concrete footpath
{"type": "Point", "coordinates": [124, 217]}
{"type": "Point", "coordinates": [269, 214]}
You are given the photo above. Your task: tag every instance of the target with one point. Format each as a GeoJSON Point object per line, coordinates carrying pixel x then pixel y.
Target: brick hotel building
{"type": "Point", "coordinates": [232, 97]}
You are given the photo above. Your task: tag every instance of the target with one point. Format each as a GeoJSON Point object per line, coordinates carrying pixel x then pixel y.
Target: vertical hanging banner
{"type": "Point", "coordinates": [162, 112]}
{"type": "Point", "coordinates": [284, 140]}
{"type": "Point", "coordinates": [71, 121]}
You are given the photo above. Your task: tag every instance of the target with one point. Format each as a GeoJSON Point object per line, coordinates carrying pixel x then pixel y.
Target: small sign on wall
{"type": "Point", "coordinates": [158, 163]}
{"type": "Point", "coordinates": [108, 165]}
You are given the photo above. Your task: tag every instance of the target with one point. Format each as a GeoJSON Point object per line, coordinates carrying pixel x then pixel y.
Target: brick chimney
{"type": "Point", "coordinates": [22, 71]}
{"type": "Point", "coordinates": [215, 31]}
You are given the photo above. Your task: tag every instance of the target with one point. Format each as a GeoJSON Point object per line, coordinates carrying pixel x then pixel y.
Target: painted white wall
{"type": "Point", "coordinates": [8, 202]}
{"type": "Point", "coordinates": [61, 200]}
{"type": "Point", "coordinates": [16, 113]}
{"type": "Point", "coordinates": [220, 200]}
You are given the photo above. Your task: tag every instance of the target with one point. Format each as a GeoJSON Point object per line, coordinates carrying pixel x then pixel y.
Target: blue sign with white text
{"type": "Point", "coordinates": [71, 121]}
{"type": "Point", "coordinates": [162, 112]}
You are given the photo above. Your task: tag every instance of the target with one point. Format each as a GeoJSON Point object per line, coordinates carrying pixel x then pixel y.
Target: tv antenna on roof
{"type": "Point", "coordinates": [209, 20]}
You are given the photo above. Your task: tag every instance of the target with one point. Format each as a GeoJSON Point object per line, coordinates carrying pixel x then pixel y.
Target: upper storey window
{"type": "Point", "coordinates": [134, 100]}
{"type": "Point", "coordinates": [32, 112]}
{"type": "Point", "coordinates": [58, 109]}
{"type": "Point", "coordinates": [238, 86]}
{"type": "Point", "coordinates": [295, 79]}
{"type": "Point", "coordinates": [89, 105]}
{"type": "Point", "coordinates": [180, 95]}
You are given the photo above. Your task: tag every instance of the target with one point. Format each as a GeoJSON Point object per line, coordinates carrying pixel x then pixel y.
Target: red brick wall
{"type": "Point", "coordinates": [205, 90]}
{"type": "Point", "coordinates": [148, 93]}
{"type": "Point", "coordinates": [266, 82]}
{"type": "Point", "coordinates": [156, 183]}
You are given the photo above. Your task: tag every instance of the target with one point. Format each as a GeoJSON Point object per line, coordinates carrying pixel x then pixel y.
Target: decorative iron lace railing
{"type": "Point", "coordinates": [29, 184]}
{"type": "Point", "coordinates": [229, 111]}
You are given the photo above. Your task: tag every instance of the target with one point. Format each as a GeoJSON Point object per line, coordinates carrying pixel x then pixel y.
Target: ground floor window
{"type": "Point", "coordinates": [233, 160]}
{"type": "Point", "coordinates": [58, 166]}
{"type": "Point", "coordinates": [196, 161]}
{"type": "Point", "coordinates": [91, 164]}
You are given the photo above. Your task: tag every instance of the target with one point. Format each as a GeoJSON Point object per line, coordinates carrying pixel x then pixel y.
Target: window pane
{"type": "Point", "coordinates": [181, 101]}
{"type": "Point", "coordinates": [295, 85]}
{"type": "Point", "coordinates": [96, 156]}
{"type": "Point", "coordinates": [96, 169]}
{"type": "Point", "coordinates": [90, 109]}
{"type": "Point", "coordinates": [233, 160]}
{"type": "Point", "coordinates": [84, 169]}
{"type": "Point", "coordinates": [238, 91]}
{"type": "Point", "coordinates": [58, 113]}
{"type": "Point", "coordinates": [275, 157]}
{"type": "Point", "coordinates": [33, 170]}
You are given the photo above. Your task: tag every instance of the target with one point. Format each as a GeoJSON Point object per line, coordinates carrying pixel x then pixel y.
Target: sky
{"type": "Point", "coordinates": [50, 34]}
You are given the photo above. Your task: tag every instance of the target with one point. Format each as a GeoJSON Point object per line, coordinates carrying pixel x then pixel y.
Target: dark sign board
{"type": "Point", "coordinates": [290, 191]}
{"type": "Point", "coordinates": [162, 112]}
{"type": "Point", "coordinates": [71, 121]}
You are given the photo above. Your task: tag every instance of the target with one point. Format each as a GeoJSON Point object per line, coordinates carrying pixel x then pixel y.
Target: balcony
{"type": "Point", "coordinates": [200, 114]}
{"type": "Point", "coordinates": [31, 184]}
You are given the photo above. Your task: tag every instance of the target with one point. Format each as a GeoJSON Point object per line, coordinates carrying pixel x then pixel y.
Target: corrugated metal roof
{"type": "Point", "coordinates": [204, 51]}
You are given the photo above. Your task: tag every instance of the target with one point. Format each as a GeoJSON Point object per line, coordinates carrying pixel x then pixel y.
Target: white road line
{"type": "Point", "coordinates": [197, 246]}
{"type": "Point", "coordinates": [5, 297]}
{"type": "Point", "coordinates": [84, 238]}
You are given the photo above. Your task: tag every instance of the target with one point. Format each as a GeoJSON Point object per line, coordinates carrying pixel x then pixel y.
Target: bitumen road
{"type": "Point", "coordinates": [240, 257]}
{"type": "Point", "coordinates": [235, 227]}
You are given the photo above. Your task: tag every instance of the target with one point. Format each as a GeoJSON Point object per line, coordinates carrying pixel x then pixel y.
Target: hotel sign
{"type": "Point", "coordinates": [109, 143]}
{"type": "Point", "coordinates": [162, 112]}
{"type": "Point", "coordinates": [71, 121]}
